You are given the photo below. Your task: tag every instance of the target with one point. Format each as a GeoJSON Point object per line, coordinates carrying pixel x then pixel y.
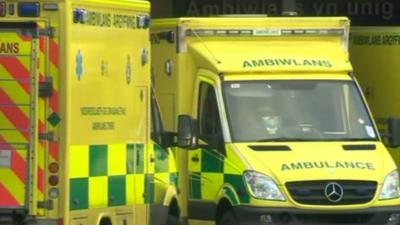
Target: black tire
{"type": "Point", "coordinates": [172, 220]}
{"type": "Point", "coordinates": [105, 221]}
{"type": "Point", "coordinates": [228, 218]}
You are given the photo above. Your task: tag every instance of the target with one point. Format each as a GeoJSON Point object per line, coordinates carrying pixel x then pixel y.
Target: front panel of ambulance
{"type": "Point", "coordinates": [312, 151]}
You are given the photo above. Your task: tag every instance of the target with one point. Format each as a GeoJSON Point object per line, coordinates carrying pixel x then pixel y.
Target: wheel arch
{"type": "Point", "coordinates": [171, 201]}
{"type": "Point", "coordinates": [227, 200]}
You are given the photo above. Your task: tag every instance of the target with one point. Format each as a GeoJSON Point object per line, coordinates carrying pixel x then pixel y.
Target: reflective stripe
{"type": "Point", "coordinates": [53, 52]}
{"type": "Point", "coordinates": [14, 114]}
{"type": "Point", "coordinates": [17, 70]}
{"type": "Point", "coordinates": [6, 198]}
{"type": "Point", "coordinates": [12, 183]}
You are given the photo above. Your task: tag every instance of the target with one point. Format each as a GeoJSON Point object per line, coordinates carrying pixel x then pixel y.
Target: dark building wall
{"type": "Point", "coordinates": [161, 8]}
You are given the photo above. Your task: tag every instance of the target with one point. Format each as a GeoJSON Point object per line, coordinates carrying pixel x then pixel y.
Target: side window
{"type": "Point", "coordinates": [156, 122]}
{"type": "Point", "coordinates": [210, 130]}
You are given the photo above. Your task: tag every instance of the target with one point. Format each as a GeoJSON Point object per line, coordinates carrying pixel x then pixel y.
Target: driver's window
{"type": "Point", "coordinates": [156, 122]}
{"type": "Point", "coordinates": [209, 121]}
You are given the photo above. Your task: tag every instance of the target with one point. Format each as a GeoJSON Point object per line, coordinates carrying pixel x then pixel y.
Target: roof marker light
{"type": "Point", "coordinates": [28, 9]}
{"type": "Point", "coordinates": [80, 15]}
{"type": "Point", "coordinates": [2, 9]}
{"type": "Point", "coordinates": [267, 32]}
{"type": "Point", "coordinates": [140, 21]}
{"type": "Point", "coordinates": [11, 9]}
{"type": "Point", "coordinates": [50, 6]}
{"type": "Point", "coordinates": [147, 22]}
{"type": "Point", "coordinates": [143, 21]}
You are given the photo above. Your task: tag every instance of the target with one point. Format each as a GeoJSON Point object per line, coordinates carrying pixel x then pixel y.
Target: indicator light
{"type": "Point", "coordinates": [11, 9]}
{"type": "Point", "coordinates": [53, 180]}
{"type": "Point", "coordinates": [54, 193]}
{"type": "Point", "coordinates": [50, 6]}
{"type": "Point", "coordinates": [53, 167]}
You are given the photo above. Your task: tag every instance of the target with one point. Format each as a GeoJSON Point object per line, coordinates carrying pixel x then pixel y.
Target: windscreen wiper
{"type": "Point", "coordinates": [283, 139]}
{"type": "Point", "coordinates": [350, 139]}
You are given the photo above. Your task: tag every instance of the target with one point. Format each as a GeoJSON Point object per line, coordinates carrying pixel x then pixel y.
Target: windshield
{"type": "Point", "coordinates": [297, 110]}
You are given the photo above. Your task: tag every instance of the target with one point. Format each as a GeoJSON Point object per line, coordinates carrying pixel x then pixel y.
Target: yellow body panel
{"type": "Point", "coordinates": [374, 53]}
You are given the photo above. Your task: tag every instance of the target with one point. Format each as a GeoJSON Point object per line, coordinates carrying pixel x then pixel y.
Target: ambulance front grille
{"type": "Point", "coordinates": [344, 192]}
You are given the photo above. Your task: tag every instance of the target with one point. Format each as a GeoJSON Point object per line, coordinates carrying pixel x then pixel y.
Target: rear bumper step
{"type": "Point", "coordinates": [13, 216]}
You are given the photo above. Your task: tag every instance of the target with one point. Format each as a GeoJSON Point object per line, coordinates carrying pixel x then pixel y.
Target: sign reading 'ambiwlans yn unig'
{"type": "Point", "coordinates": [361, 12]}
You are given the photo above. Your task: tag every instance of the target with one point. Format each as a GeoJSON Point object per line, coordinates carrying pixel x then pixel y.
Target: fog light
{"type": "Point", "coordinates": [395, 217]}
{"type": "Point", "coordinates": [266, 219]}
{"type": "Point", "coordinates": [54, 193]}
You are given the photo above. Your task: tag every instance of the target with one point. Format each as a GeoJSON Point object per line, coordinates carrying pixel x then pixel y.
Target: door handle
{"type": "Point", "coordinates": [195, 158]}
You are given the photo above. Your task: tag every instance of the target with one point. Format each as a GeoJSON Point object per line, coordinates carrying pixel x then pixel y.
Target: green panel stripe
{"type": "Point", "coordinates": [130, 157]}
{"type": "Point", "coordinates": [231, 196]}
{"type": "Point", "coordinates": [139, 158]}
{"type": "Point", "coordinates": [98, 160]}
{"type": "Point", "coordinates": [173, 179]}
{"type": "Point", "coordinates": [161, 159]}
{"type": "Point", "coordinates": [116, 190]}
{"type": "Point", "coordinates": [211, 162]}
{"type": "Point", "coordinates": [149, 188]}
{"type": "Point", "coordinates": [195, 186]}
{"type": "Point", "coordinates": [79, 188]}
{"type": "Point", "coordinates": [237, 182]}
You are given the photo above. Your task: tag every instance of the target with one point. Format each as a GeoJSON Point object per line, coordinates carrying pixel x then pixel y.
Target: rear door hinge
{"type": "Point", "coordinates": [48, 31]}
{"type": "Point", "coordinates": [46, 88]}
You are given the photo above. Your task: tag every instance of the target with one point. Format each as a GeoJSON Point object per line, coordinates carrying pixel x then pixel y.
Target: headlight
{"type": "Point", "coordinates": [262, 186]}
{"type": "Point", "coordinates": [390, 188]}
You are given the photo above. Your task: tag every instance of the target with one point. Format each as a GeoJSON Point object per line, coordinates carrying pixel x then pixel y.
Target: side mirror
{"type": "Point", "coordinates": [186, 134]}
{"type": "Point", "coordinates": [168, 139]}
{"type": "Point", "coordinates": [394, 132]}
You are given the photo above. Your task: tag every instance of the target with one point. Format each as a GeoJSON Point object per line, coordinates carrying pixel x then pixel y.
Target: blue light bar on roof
{"type": "Point", "coordinates": [29, 9]}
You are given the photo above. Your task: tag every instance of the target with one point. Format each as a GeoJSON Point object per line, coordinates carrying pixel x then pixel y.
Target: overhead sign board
{"type": "Point", "coordinates": [361, 12]}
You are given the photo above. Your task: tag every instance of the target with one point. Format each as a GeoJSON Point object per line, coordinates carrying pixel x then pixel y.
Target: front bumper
{"type": "Point", "coordinates": [247, 215]}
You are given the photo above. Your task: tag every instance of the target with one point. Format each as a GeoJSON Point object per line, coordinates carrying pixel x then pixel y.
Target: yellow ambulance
{"type": "Point", "coordinates": [374, 52]}
{"type": "Point", "coordinates": [79, 144]}
{"type": "Point", "coordinates": [275, 125]}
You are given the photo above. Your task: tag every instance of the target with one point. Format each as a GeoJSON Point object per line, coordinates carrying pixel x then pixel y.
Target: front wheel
{"type": "Point", "coordinates": [172, 220]}
{"type": "Point", "coordinates": [228, 218]}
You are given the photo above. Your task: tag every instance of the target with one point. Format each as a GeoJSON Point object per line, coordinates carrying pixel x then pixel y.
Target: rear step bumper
{"type": "Point", "coordinates": [13, 216]}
